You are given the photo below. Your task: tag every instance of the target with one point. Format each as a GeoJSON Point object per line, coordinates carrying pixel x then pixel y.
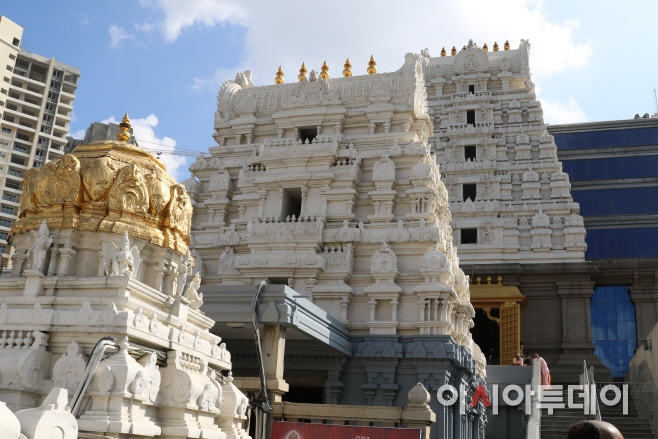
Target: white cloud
{"type": "Point", "coordinates": [80, 134]}
{"type": "Point", "coordinates": [179, 14]}
{"type": "Point", "coordinates": [215, 81]}
{"type": "Point", "coordinates": [118, 34]}
{"type": "Point", "coordinates": [312, 32]}
{"type": "Point", "coordinates": [143, 130]}
{"type": "Point", "coordinates": [557, 112]}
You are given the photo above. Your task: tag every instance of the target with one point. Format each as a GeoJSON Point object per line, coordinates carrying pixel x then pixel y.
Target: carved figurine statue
{"type": "Point", "coordinates": [39, 246]}
{"type": "Point", "coordinates": [191, 294]}
{"type": "Point", "coordinates": [182, 271]}
{"type": "Point", "coordinates": [122, 261]}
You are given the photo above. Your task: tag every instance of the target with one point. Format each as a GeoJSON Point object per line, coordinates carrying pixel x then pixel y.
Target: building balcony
{"type": "Point", "coordinates": [20, 113]}
{"type": "Point", "coordinates": [23, 100]}
{"type": "Point", "coordinates": [16, 125]}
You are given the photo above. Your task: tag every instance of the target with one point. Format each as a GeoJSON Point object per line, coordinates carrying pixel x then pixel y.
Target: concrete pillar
{"type": "Point", "coordinates": [274, 349]}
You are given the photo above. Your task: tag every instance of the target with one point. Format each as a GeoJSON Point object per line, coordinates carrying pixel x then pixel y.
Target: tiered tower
{"type": "Point", "coordinates": [329, 186]}
{"type": "Point", "coordinates": [509, 198]}
{"type": "Point", "coordinates": [102, 251]}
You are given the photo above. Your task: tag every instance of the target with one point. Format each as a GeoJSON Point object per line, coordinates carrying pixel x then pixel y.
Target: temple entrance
{"type": "Point", "coordinates": [486, 333]}
{"type": "Point", "coordinates": [497, 329]}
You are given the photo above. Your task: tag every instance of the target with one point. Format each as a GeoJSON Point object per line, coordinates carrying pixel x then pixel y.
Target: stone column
{"type": "Point", "coordinates": [274, 349]}
{"type": "Point", "coordinates": [66, 254]}
{"type": "Point", "coordinates": [577, 344]}
{"type": "Point", "coordinates": [54, 258]}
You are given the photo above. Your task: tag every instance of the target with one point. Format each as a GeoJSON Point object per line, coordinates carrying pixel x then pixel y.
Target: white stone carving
{"type": "Point", "coordinates": [384, 260]}
{"type": "Point", "coordinates": [53, 419]}
{"type": "Point", "coordinates": [192, 295]}
{"type": "Point", "coordinates": [40, 241]}
{"type": "Point", "coordinates": [68, 370]}
{"type": "Point", "coordinates": [123, 261]}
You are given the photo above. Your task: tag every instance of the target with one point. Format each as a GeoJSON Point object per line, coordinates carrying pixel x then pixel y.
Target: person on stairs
{"type": "Point", "coordinates": [545, 373]}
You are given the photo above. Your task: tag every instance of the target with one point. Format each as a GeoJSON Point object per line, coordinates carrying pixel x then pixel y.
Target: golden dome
{"type": "Point", "coordinates": [108, 186]}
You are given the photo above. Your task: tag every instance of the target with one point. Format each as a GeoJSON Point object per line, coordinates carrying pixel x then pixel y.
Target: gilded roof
{"type": "Point", "coordinates": [108, 186]}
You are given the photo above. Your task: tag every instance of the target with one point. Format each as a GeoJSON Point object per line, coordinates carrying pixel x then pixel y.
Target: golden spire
{"type": "Point", "coordinates": [495, 47]}
{"type": "Point", "coordinates": [453, 52]}
{"type": "Point", "coordinates": [443, 51]}
{"type": "Point", "coordinates": [348, 68]}
{"type": "Point", "coordinates": [464, 48]}
{"type": "Point", "coordinates": [124, 135]}
{"type": "Point", "coordinates": [302, 73]}
{"type": "Point", "coordinates": [507, 45]}
{"type": "Point", "coordinates": [485, 48]}
{"type": "Point", "coordinates": [371, 66]}
{"type": "Point", "coordinates": [279, 76]}
{"type": "Point", "coordinates": [325, 70]}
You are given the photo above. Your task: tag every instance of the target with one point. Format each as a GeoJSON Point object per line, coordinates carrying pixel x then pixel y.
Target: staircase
{"type": "Point", "coordinates": [631, 426]}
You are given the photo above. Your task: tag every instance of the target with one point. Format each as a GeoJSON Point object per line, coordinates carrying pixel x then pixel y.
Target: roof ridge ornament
{"type": "Point", "coordinates": [124, 135]}
{"type": "Point", "coordinates": [371, 65]}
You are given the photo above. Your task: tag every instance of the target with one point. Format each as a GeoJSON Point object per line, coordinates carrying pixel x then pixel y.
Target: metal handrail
{"type": "Point", "coordinates": [589, 384]}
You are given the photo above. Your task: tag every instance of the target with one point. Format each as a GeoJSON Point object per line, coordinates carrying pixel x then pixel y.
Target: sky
{"type": "Point", "coordinates": [163, 61]}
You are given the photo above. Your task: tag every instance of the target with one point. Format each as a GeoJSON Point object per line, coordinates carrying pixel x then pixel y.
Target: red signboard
{"type": "Point", "coordinates": [297, 430]}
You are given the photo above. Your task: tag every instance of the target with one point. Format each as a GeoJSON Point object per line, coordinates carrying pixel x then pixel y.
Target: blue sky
{"type": "Point", "coordinates": [163, 61]}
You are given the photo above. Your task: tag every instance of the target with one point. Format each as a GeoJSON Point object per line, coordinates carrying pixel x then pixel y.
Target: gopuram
{"type": "Point", "coordinates": [331, 187]}
{"type": "Point", "coordinates": [100, 331]}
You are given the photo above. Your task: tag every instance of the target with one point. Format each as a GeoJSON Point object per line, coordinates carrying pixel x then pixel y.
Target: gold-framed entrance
{"type": "Point", "coordinates": [509, 300]}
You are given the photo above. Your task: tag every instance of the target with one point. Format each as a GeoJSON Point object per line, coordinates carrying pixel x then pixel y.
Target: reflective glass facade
{"type": "Point", "coordinates": [613, 327]}
{"type": "Point", "coordinates": [637, 195]}
{"type": "Point", "coordinates": [611, 168]}
{"type": "Point", "coordinates": [607, 139]}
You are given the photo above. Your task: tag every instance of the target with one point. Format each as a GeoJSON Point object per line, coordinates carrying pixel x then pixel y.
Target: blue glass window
{"type": "Point", "coordinates": [606, 169]}
{"type": "Point", "coordinates": [622, 243]}
{"type": "Point", "coordinates": [625, 201]}
{"type": "Point", "coordinates": [613, 327]}
{"type": "Point", "coordinates": [607, 139]}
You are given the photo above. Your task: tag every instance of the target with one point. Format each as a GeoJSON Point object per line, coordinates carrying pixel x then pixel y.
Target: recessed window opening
{"type": "Point", "coordinates": [470, 152]}
{"type": "Point", "coordinates": [307, 134]}
{"type": "Point", "coordinates": [470, 191]}
{"type": "Point", "coordinates": [470, 117]}
{"type": "Point", "coordinates": [469, 236]}
{"type": "Point", "coordinates": [291, 203]}
{"type": "Point", "coordinates": [471, 89]}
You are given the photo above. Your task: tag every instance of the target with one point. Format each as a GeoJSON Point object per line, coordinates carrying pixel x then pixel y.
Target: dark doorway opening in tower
{"type": "Point", "coordinates": [470, 117]}
{"type": "Point", "coordinates": [486, 333]}
{"type": "Point", "coordinates": [471, 89]}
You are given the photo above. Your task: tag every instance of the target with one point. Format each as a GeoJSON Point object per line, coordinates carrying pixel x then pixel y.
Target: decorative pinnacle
{"type": "Point", "coordinates": [371, 66]}
{"type": "Point", "coordinates": [464, 48]}
{"type": "Point", "coordinates": [279, 76]}
{"type": "Point", "coordinates": [495, 46]}
{"type": "Point", "coordinates": [443, 51]}
{"type": "Point", "coordinates": [302, 73]}
{"type": "Point", "coordinates": [325, 70]}
{"type": "Point", "coordinates": [348, 68]}
{"type": "Point", "coordinates": [507, 45]}
{"type": "Point", "coordinates": [453, 52]}
{"type": "Point", "coordinates": [485, 48]}
{"type": "Point", "coordinates": [123, 135]}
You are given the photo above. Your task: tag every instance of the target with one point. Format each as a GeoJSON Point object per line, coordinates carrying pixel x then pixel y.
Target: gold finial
{"type": "Point", "coordinates": [348, 68]}
{"type": "Point", "coordinates": [495, 47]}
{"type": "Point", "coordinates": [485, 48]}
{"type": "Point", "coordinates": [123, 135]}
{"type": "Point", "coordinates": [279, 76]}
{"type": "Point", "coordinates": [507, 45]}
{"type": "Point", "coordinates": [464, 48]}
{"type": "Point", "coordinates": [324, 70]}
{"type": "Point", "coordinates": [443, 51]}
{"type": "Point", "coordinates": [453, 52]}
{"type": "Point", "coordinates": [302, 73]}
{"type": "Point", "coordinates": [371, 66]}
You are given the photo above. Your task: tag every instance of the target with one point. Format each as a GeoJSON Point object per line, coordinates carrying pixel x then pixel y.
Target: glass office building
{"type": "Point", "coordinates": [613, 169]}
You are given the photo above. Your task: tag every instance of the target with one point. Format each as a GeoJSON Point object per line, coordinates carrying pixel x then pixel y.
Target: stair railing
{"type": "Point", "coordinates": [589, 386]}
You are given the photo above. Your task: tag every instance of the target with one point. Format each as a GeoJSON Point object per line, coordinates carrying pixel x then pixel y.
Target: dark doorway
{"type": "Point", "coordinates": [304, 395]}
{"type": "Point", "coordinates": [470, 153]}
{"type": "Point", "coordinates": [486, 334]}
{"type": "Point", "coordinates": [471, 89]}
{"type": "Point", "coordinates": [470, 191]}
{"type": "Point", "coordinates": [470, 117]}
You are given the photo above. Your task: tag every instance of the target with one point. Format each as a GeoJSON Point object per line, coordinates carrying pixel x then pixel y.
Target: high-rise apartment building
{"type": "Point", "coordinates": [36, 99]}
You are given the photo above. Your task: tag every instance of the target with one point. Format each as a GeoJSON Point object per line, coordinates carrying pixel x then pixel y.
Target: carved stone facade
{"type": "Point", "coordinates": [102, 252]}
{"type": "Point", "coordinates": [334, 190]}
{"type": "Point", "coordinates": [506, 185]}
